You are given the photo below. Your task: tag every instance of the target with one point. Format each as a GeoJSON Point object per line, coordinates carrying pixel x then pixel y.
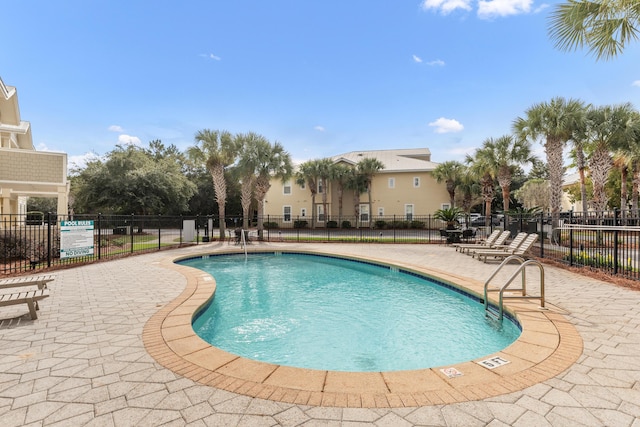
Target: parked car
{"type": "Point", "coordinates": [481, 221]}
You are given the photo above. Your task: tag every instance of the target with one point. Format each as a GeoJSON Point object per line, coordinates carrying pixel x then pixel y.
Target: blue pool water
{"type": "Point", "coordinates": [327, 313]}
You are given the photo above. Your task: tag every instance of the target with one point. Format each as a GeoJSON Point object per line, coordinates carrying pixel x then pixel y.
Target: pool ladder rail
{"type": "Point", "coordinates": [490, 311]}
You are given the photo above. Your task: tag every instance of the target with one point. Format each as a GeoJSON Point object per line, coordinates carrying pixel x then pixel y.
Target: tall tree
{"type": "Point", "coordinates": [339, 176]}
{"type": "Point", "coordinates": [555, 122]}
{"type": "Point", "coordinates": [308, 175]}
{"type": "Point", "coordinates": [356, 183]}
{"type": "Point", "coordinates": [483, 171]}
{"type": "Point", "coordinates": [324, 173]}
{"type": "Point", "coordinates": [269, 161]}
{"type": "Point", "coordinates": [367, 168]}
{"type": "Point", "coordinates": [451, 173]}
{"type": "Point", "coordinates": [131, 180]}
{"type": "Point", "coordinates": [578, 140]}
{"type": "Point", "coordinates": [217, 150]}
{"type": "Point", "coordinates": [606, 27]}
{"type": "Point", "coordinates": [608, 129]}
{"type": "Point", "coordinates": [503, 156]}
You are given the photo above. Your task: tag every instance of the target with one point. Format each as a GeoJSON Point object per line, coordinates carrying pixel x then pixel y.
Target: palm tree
{"type": "Point", "coordinates": [469, 190]}
{"type": "Point", "coordinates": [217, 150]}
{"type": "Point", "coordinates": [324, 173]}
{"type": "Point", "coordinates": [554, 121]}
{"type": "Point", "coordinates": [308, 175]}
{"type": "Point", "coordinates": [486, 174]}
{"type": "Point", "coordinates": [339, 176]}
{"type": "Point", "coordinates": [450, 172]}
{"type": "Point", "coordinates": [622, 161]}
{"type": "Point", "coordinates": [605, 26]}
{"type": "Point", "coordinates": [608, 128]}
{"type": "Point", "coordinates": [578, 140]}
{"type": "Point", "coordinates": [356, 182]}
{"type": "Point", "coordinates": [246, 171]}
{"type": "Point", "coordinates": [503, 156]}
{"type": "Point", "coordinates": [268, 161]}
{"type": "Point", "coordinates": [368, 167]}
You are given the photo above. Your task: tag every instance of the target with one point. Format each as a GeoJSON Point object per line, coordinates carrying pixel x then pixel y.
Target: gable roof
{"type": "Point", "coordinates": [401, 160]}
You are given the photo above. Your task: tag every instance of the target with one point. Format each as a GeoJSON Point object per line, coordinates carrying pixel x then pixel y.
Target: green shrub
{"type": "Point", "coordinates": [416, 224]}
{"type": "Point", "coordinates": [300, 223]}
{"type": "Point", "coordinates": [346, 224]}
{"type": "Point", "coordinates": [270, 224]}
{"type": "Point", "coordinates": [332, 224]}
{"type": "Point", "coordinates": [381, 224]}
{"type": "Point", "coordinates": [399, 225]}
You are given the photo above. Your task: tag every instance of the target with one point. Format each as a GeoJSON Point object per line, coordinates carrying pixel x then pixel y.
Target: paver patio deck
{"type": "Point", "coordinates": [84, 360]}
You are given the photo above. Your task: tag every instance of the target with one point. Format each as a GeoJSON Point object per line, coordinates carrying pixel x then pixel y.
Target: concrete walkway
{"type": "Point", "coordinates": [83, 361]}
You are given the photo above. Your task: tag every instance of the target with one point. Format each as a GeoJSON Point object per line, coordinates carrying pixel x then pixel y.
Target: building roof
{"type": "Point", "coordinates": [401, 160]}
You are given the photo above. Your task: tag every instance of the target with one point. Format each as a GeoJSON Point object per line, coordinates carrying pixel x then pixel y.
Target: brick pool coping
{"type": "Point", "coordinates": [548, 345]}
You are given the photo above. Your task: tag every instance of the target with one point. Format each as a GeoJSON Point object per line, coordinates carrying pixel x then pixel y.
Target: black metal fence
{"type": "Point", "coordinates": [605, 241]}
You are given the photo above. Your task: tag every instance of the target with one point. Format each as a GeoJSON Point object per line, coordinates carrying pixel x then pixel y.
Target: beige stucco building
{"type": "Point", "coordinates": [25, 172]}
{"type": "Point", "coordinates": [403, 189]}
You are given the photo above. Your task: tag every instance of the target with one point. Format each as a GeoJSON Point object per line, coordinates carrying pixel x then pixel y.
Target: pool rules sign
{"type": "Point", "coordinates": [76, 238]}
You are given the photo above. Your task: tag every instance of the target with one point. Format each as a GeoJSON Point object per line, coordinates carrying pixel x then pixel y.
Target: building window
{"type": "Point", "coordinates": [286, 213]}
{"type": "Point", "coordinates": [320, 213]}
{"type": "Point", "coordinates": [416, 181]}
{"type": "Point", "coordinates": [303, 185]}
{"type": "Point", "coordinates": [286, 189]}
{"type": "Point", "coordinates": [320, 186]}
{"type": "Point", "coordinates": [392, 183]}
{"type": "Point", "coordinates": [445, 206]}
{"type": "Point", "coordinates": [303, 212]}
{"type": "Point", "coordinates": [408, 212]}
{"type": "Point", "coordinates": [364, 213]}
{"type": "Point", "coordinates": [380, 212]}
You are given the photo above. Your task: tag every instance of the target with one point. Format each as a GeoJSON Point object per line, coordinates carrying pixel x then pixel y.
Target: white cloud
{"type": "Point", "coordinates": [446, 6]}
{"type": "Point", "coordinates": [495, 8]}
{"type": "Point", "coordinates": [417, 59]}
{"type": "Point", "coordinates": [540, 8]}
{"type": "Point", "coordinates": [636, 83]}
{"type": "Point", "coordinates": [319, 128]}
{"type": "Point", "coordinates": [128, 139]}
{"type": "Point", "coordinates": [80, 162]}
{"type": "Point", "coordinates": [444, 125]}
{"type": "Point", "coordinates": [115, 128]}
{"type": "Point", "coordinates": [210, 56]}
{"type": "Point", "coordinates": [437, 62]}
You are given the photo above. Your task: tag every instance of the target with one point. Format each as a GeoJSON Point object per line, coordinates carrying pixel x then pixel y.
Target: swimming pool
{"type": "Point", "coordinates": [324, 312]}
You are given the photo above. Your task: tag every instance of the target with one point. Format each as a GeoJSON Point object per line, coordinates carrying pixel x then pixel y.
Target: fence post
{"type": "Point", "coordinates": [541, 233]}
{"type": "Point", "coordinates": [616, 214]}
{"type": "Point", "coordinates": [393, 225]}
{"type": "Point", "coordinates": [159, 237]}
{"type": "Point", "coordinates": [48, 239]}
{"type": "Point", "coordinates": [197, 229]}
{"type": "Point", "coordinates": [131, 227]}
{"type": "Point", "coordinates": [99, 235]}
{"type": "Point", "coordinates": [571, 238]}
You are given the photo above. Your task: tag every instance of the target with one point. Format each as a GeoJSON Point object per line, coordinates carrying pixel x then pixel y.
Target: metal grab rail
{"type": "Point", "coordinates": [521, 269]}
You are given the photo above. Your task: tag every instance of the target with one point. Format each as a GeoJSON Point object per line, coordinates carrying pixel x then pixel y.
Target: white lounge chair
{"type": "Point", "coordinates": [498, 241]}
{"type": "Point", "coordinates": [501, 254]}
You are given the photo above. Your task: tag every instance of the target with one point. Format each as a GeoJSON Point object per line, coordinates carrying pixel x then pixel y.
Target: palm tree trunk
{"type": "Point", "coordinates": [220, 189]}
{"type": "Point", "coordinates": [553, 148]}
{"type": "Point", "coordinates": [246, 193]}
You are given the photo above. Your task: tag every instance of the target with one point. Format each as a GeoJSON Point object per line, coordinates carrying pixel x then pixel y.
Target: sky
{"type": "Point", "coordinates": [320, 77]}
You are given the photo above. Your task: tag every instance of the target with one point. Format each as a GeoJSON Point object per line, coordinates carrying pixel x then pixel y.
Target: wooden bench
{"type": "Point", "coordinates": [39, 281]}
{"type": "Point", "coordinates": [30, 298]}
